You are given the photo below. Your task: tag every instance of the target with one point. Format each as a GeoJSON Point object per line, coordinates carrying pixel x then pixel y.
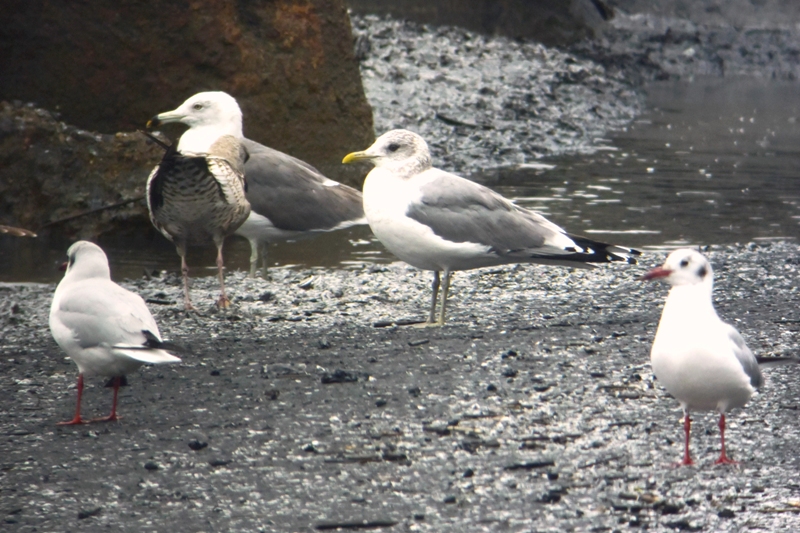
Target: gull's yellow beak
{"type": "Point", "coordinates": [165, 118]}
{"type": "Point", "coordinates": [356, 156]}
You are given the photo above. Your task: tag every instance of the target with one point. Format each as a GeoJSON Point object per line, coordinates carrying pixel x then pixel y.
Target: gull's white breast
{"type": "Point", "coordinates": [386, 202]}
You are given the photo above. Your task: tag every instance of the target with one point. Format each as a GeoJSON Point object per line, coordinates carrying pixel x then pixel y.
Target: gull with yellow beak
{"type": "Point", "coordinates": [438, 221]}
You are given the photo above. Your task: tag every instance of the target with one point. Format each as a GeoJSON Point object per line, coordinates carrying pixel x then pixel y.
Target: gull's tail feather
{"type": "Point", "coordinates": [146, 355]}
{"type": "Point", "coordinates": [777, 361]}
{"type": "Point", "coordinates": [590, 251]}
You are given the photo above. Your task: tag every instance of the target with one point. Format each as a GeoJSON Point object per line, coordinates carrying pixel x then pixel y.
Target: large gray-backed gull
{"type": "Point", "coordinates": [438, 221]}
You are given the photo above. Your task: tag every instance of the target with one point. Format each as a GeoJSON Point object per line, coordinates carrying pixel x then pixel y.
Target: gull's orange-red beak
{"type": "Point", "coordinates": [658, 272]}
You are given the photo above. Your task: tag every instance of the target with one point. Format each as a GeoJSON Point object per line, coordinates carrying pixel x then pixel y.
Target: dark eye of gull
{"type": "Point", "coordinates": [197, 107]}
{"type": "Point", "coordinates": [393, 147]}
{"type": "Point", "coordinates": [684, 262]}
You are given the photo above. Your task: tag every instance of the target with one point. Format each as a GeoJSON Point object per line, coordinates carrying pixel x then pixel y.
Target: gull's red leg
{"type": "Point", "coordinates": [113, 416]}
{"type": "Point", "coordinates": [77, 419]}
{"type": "Point", "coordinates": [687, 427]}
{"type": "Point", "coordinates": [723, 458]}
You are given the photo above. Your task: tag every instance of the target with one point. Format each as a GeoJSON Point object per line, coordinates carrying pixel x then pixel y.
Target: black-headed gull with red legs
{"type": "Point", "coordinates": [701, 361]}
{"type": "Point", "coordinates": [106, 329]}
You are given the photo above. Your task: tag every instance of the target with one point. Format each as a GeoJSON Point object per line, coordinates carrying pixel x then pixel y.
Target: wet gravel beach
{"type": "Point", "coordinates": [534, 409]}
{"type": "Point", "coordinates": [307, 407]}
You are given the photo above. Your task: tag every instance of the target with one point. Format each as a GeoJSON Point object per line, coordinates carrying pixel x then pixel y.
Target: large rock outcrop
{"type": "Point", "coordinates": [51, 171]}
{"type": "Point", "coordinates": [108, 67]}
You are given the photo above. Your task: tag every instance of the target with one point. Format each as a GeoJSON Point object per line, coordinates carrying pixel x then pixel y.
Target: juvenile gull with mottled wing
{"type": "Point", "coordinates": [438, 221]}
{"type": "Point", "coordinates": [105, 329]}
{"type": "Point", "coordinates": [196, 195]}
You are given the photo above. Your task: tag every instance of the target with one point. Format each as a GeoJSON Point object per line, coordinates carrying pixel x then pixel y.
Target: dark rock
{"type": "Point", "coordinates": [509, 372]}
{"type": "Point", "coordinates": [86, 171]}
{"type": "Point", "coordinates": [398, 457]}
{"type": "Point", "coordinates": [450, 499]}
{"type": "Point", "coordinates": [272, 394]}
{"type": "Point", "coordinates": [669, 508]}
{"type": "Point", "coordinates": [110, 68]}
{"type": "Point", "coordinates": [469, 472]}
{"type": "Point", "coordinates": [339, 376]}
{"type": "Point", "coordinates": [380, 403]}
{"type": "Point", "coordinates": [89, 513]}
{"type": "Point", "coordinates": [530, 465]}
{"type": "Point", "coordinates": [219, 462]}
{"type": "Point", "coordinates": [726, 513]}
{"type": "Point", "coordinates": [151, 465]}
{"type": "Point", "coordinates": [197, 445]}
{"type": "Point", "coordinates": [683, 525]}
{"type": "Point", "coordinates": [266, 296]}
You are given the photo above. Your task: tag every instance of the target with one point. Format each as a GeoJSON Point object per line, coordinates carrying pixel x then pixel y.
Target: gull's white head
{"type": "Point", "coordinates": [683, 267]}
{"type": "Point", "coordinates": [401, 150]}
{"type": "Point", "coordinates": [209, 116]}
{"type": "Point", "coordinates": [86, 260]}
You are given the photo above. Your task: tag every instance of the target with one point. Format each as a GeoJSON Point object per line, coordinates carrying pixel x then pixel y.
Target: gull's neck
{"type": "Point", "coordinates": [88, 271]}
{"type": "Point", "coordinates": [690, 304]}
{"type": "Point", "coordinates": [198, 139]}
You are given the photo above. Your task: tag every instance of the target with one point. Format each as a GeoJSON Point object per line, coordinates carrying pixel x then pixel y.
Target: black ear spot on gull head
{"type": "Point", "coordinates": [702, 272]}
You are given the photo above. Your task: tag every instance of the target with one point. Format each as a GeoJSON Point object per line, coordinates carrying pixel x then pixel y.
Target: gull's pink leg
{"type": "Point", "coordinates": [687, 427]}
{"type": "Point", "coordinates": [77, 419]}
{"type": "Point", "coordinates": [187, 302]}
{"type": "Point", "coordinates": [723, 458]}
{"type": "Point", "coordinates": [223, 301]}
{"type": "Point", "coordinates": [113, 416]}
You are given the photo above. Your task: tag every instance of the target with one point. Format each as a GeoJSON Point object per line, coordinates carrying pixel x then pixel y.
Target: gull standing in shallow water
{"type": "Point", "coordinates": [105, 329]}
{"type": "Point", "coordinates": [701, 361]}
{"type": "Point", "coordinates": [438, 221]}
{"type": "Point", "coordinates": [196, 195]}
{"type": "Point", "coordinates": [290, 199]}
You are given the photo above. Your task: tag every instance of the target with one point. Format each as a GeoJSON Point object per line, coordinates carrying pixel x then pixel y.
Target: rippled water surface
{"type": "Point", "coordinates": [710, 162]}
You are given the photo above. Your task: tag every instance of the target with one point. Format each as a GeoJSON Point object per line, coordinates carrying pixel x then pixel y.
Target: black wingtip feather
{"type": "Point", "coordinates": [153, 342]}
{"type": "Point", "coordinates": [600, 252]}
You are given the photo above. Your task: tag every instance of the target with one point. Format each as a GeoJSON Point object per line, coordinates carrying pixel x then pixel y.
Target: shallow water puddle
{"type": "Point", "coordinates": [712, 161]}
